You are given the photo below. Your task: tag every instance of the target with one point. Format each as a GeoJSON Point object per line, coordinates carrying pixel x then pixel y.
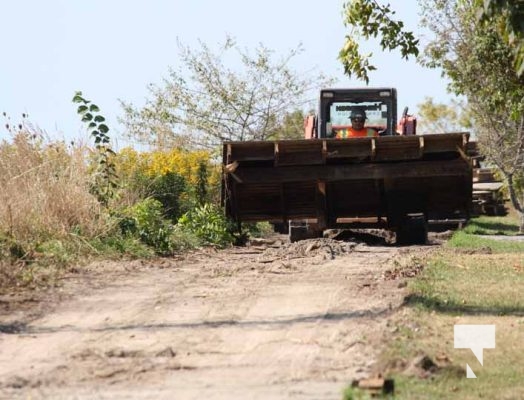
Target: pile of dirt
{"type": "Point", "coordinates": [371, 237]}
{"type": "Point", "coordinates": [320, 249]}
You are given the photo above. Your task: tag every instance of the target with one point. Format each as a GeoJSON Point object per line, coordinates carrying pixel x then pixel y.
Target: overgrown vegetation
{"type": "Point", "coordinates": [47, 210]}
{"type": "Point", "coordinates": [61, 202]}
{"type": "Point", "coordinates": [461, 283]}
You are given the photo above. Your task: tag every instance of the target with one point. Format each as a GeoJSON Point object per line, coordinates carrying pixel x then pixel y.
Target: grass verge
{"type": "Point", "coordinates": [471, 280]}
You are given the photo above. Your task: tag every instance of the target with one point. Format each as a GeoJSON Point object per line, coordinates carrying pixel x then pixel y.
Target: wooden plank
{"type": "Point", "coordinates": [262, 201]}
{"type": "Point", "coordinates": [491, 186]}
{"type": "Point", "coordinates": [331, 173]}
{"type": "Point", "coordinates": [321, 200]}
{"type": "Point", "coordinates": [250, 151]}
{"type": "Point", "coordinates": [306, 152]}
{"type": "Point", "coordinates": [441, 143]}
{"type": "Point", "coordinates": [401, 148]}
{"type": "Point", "coordinates": [355, 148]}
{"type": "Point", "coordinates": [314, 151]}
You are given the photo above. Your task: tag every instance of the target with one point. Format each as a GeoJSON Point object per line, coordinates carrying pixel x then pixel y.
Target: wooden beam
{"type": "Point", "coordinates": [333, 173]}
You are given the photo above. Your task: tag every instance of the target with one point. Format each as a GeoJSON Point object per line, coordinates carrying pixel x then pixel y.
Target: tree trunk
{"type": "Point", "coordinates": [518, 205]}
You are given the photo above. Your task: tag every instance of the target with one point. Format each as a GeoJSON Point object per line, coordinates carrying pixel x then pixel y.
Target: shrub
{"type": "Point", "coordinates": [209, 224]}
{"type": "Point", "coordinates": [145, 220]}
{"type": "Point", "coordinates": [146, 172]}
{"type": "Point", "coordinates": [169, 189]}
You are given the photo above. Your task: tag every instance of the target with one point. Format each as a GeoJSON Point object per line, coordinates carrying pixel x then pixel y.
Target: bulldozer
{"type": "Point", "coordinates": [394, 180]}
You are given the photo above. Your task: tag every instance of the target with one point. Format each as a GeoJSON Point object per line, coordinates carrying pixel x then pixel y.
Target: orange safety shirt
{"type": "Point", "coordinates": [350, 132]}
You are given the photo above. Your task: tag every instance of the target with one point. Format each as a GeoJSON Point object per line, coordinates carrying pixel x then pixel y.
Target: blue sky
{"type": "Point", "coordinates": [112, 49]}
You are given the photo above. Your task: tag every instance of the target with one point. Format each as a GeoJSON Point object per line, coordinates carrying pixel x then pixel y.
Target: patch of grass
{"type": "Point", "coordinates": [499, 378]}
{"type": "Point", "coordinates": [483, 225]}
{"type": "Point", "coordinates": [460, 288]}
{"type": "Point", "coordinates": [471, 284]}
{"type": "Point", "coordinates": [118, 246]}
{"type": "Point", "coordinates": [473, 236]}
{"type": "Point", "coordinates": [464, 240]}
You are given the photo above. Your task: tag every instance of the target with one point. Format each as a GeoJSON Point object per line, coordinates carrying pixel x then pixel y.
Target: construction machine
{"type": "Point", "coordinates": [395, 180]}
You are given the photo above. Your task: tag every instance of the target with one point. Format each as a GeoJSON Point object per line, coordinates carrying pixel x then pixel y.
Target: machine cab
{"type": "Point", "coordinates": [336, 106]}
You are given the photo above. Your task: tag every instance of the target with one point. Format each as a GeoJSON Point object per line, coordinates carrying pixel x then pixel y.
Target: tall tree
{"type": "Point", "coordinates": [205, 102]}
{"type": "Point", "coordinates": [480, 62]}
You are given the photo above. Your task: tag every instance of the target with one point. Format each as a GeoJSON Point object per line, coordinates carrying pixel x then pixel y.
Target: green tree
{"type": "Point", "coordinates": [369, 19]}
{"type": "Point", "coordinates": [207, 103]}
{"type": "Point", "coordinates": [481, 63]}
{"type": "Point", "coordinates": [291, 126]}
{"type": "Point", "coordinates": [440, 117]}
{"type": "Point", "coordinates": [512, 26]}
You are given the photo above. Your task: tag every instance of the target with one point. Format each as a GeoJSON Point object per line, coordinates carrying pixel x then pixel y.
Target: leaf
{"type": "Point", "coordinates": [99, 118]}
{"type": "Point", "coordinates": [87, 117]}
{"type": "Point", "coordinates": [81, 109]}
{"type": "Point", "coordinates": [94, 108]}
{"type": "Point", "coordinates": [77, 98]}
{"type": "Point", "coordinates": [103, 128]}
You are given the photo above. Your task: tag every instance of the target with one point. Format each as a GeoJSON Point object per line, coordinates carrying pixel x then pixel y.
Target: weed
{"type": "Point", "coordinates": [105, 178]}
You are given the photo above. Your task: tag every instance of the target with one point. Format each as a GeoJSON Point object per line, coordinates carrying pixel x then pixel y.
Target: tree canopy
{"type": "Point", "coordinates": [512, 26]}
{"type": "Point", "coordinates": [440, 118]}
{"type": "Point", "coordinates": [369, 19]}
{"type": "Point", "coordinates": [478, 46]}
{"type": "Point", "coordinates": [204, 102]}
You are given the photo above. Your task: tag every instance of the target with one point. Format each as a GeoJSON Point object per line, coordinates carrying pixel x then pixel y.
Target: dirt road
{"type": "Point", "coordinates": [267, 321]}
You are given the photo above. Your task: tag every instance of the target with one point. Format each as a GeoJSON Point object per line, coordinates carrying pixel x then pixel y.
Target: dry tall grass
{"type": "Point", "coordinates": [44, 190]}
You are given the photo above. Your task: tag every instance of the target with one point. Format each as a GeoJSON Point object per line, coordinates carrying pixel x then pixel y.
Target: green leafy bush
{"type": "Point", "coordinates": [146, 220]}
{"type": "Point", "coordinates": [169, 189]}
{"type": "Point", "coordinates": [208, 223]}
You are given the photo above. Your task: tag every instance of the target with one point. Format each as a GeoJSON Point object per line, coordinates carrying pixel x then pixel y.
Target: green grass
{"type": "Point", "coordinates": [463, 240]}
{"type": "Point", "coordinates": [472, 236]}
{"type": "Point", "coordinates": [499, 378]}
{"type": "Point", "coordinates": [507, 225]}
{"type": "Point", "coordinates": [460, 288]}
{"type": "Point", "coordinates": [470, 284]}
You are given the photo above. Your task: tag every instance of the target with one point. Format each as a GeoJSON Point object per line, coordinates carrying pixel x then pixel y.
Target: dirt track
{"type": "Point", "coordinates": [267, 321]}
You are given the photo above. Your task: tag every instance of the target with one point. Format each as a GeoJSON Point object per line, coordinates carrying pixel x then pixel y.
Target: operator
{"type": "Point", "coordinates": [358, 117]}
